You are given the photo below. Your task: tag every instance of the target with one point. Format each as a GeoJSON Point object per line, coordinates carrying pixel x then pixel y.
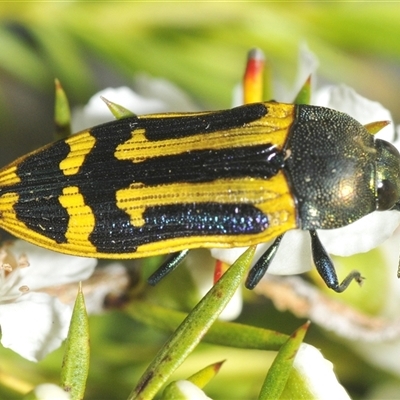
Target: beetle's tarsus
{"type": "Point", "coordinates": [353, 275]}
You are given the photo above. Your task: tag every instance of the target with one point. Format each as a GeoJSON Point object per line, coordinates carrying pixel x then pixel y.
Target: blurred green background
{"type": "Point", "coordinates": [200, 46]}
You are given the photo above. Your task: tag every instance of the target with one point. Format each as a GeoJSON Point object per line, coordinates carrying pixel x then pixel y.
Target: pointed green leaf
{"type": "Point", "coordinates": [304, 95]}
{"type": "Point", "coordinates": [280, 369]}
{"type": "Point", "coordinates": [117, 110]}
{"type": "Point", "coordinates": [192, 329]}
{"type": "Point", "coordinates": [223, 333]}
{"type": "Point", "coordinates": [75, 367]}
{"type": "Point", "coordinates": [62, 114]}
{"type": "Point", "coordinates": [202, 377]}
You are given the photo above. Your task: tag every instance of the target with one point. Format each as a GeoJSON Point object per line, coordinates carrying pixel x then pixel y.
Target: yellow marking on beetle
{"type": "Point", "coordinates": [81, 224]}
{"type": "Point", "coordinates": [270, 196]}
{"type": "Point", "coordinates": [9, 177]}
{"type": "Point", "coordinates": [277, 204]}
{"type": "Point", "coordinates": [273, 128]}
{"type": "Point", "coordinates": [81, 145]}
{"type": "Point", "coordinates": [7, 213]}
{"type": "Point", "coordinates": [81, 219]}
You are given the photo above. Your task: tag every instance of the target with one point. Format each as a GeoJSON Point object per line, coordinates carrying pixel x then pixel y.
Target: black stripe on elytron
{"type": "Point", "coordinates": [41, 184]}
{"type": "Point", "coordinates": [182, 220]}
{"type": "Point", "coordinates": [261, 161]}
{"type": "Point", "coordinates": [180, 127]}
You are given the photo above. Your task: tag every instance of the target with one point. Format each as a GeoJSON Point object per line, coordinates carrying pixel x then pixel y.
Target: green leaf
{"type": "Point", "coordinates": [62, 114]}
{"type": "Point", "coordinates": [117, 110]}
{"type": "Point", "coordinates": [192, 329]}
{"type": "Point", "coordinates": [75, 367]}
{"type": "Point", "coordinates": [304, 95]}
{"type": "Point", "coordinates": [223, 333]}
{"type": "Point", "coordinates": [202, 377]}
{"type": "Point", "coordinates": [281, 368]}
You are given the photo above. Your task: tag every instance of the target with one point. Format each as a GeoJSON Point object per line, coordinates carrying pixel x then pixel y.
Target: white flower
{"type": "Point", "coordinates": [317, 376]}
{"type": "Point", "coordinates": [184, 389]}
{"type": "Point", "coordinates": [34, 323]}
{"type": "Point", "coordinates": [49, 391]}
{"type": "Point", "coordinates": [151, 96]}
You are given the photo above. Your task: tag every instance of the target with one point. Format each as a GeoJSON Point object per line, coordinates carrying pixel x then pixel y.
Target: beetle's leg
{"type": "Point", "coordinates": [326, 268]}
{"type": "Point", "coordinates": [167, 266]}
{"type": "Point", "coordinates": [260, 267]}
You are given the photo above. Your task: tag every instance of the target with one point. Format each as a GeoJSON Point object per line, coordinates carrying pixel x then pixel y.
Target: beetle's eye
{"type": "Point", "coordinates": [387, 195]}
{"type": "Point", "coordinates": [387, 175]}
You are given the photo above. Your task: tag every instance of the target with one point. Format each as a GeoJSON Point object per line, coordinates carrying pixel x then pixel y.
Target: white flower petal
{"type": "Point", "coordinates": [318, 373]}
{"type": "Point", "coordinates": [153, 96]}
{"type": "Point", "coordinates": [237, 95]}
{"type": "Point", "coordinates": [50, 391]}
{"type": "Point", "coordinates": [10, 285]}
{"type": "Point", "coordinates": [34, 325]}
{"type": "Point", "coordinates": [362, 235]}
{"type": "Point", "coordinates": [48, 268]}
{"type": "Point", "coordinates": [345, 99]}
{"type": "Point", "coordinates": [292, 257]}
{"type": "Point", "coordinates": [96, 111]}
{"type": "Point", "coordinates": [307, 65]}
{"type": "Point", "coordinates": [190, 391]}
{"type": "Point", "coordinates": [172, 97]}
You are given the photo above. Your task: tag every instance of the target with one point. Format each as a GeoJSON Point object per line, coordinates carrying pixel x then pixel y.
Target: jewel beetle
{"type": "Point", "coordinates": [164, 183]}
